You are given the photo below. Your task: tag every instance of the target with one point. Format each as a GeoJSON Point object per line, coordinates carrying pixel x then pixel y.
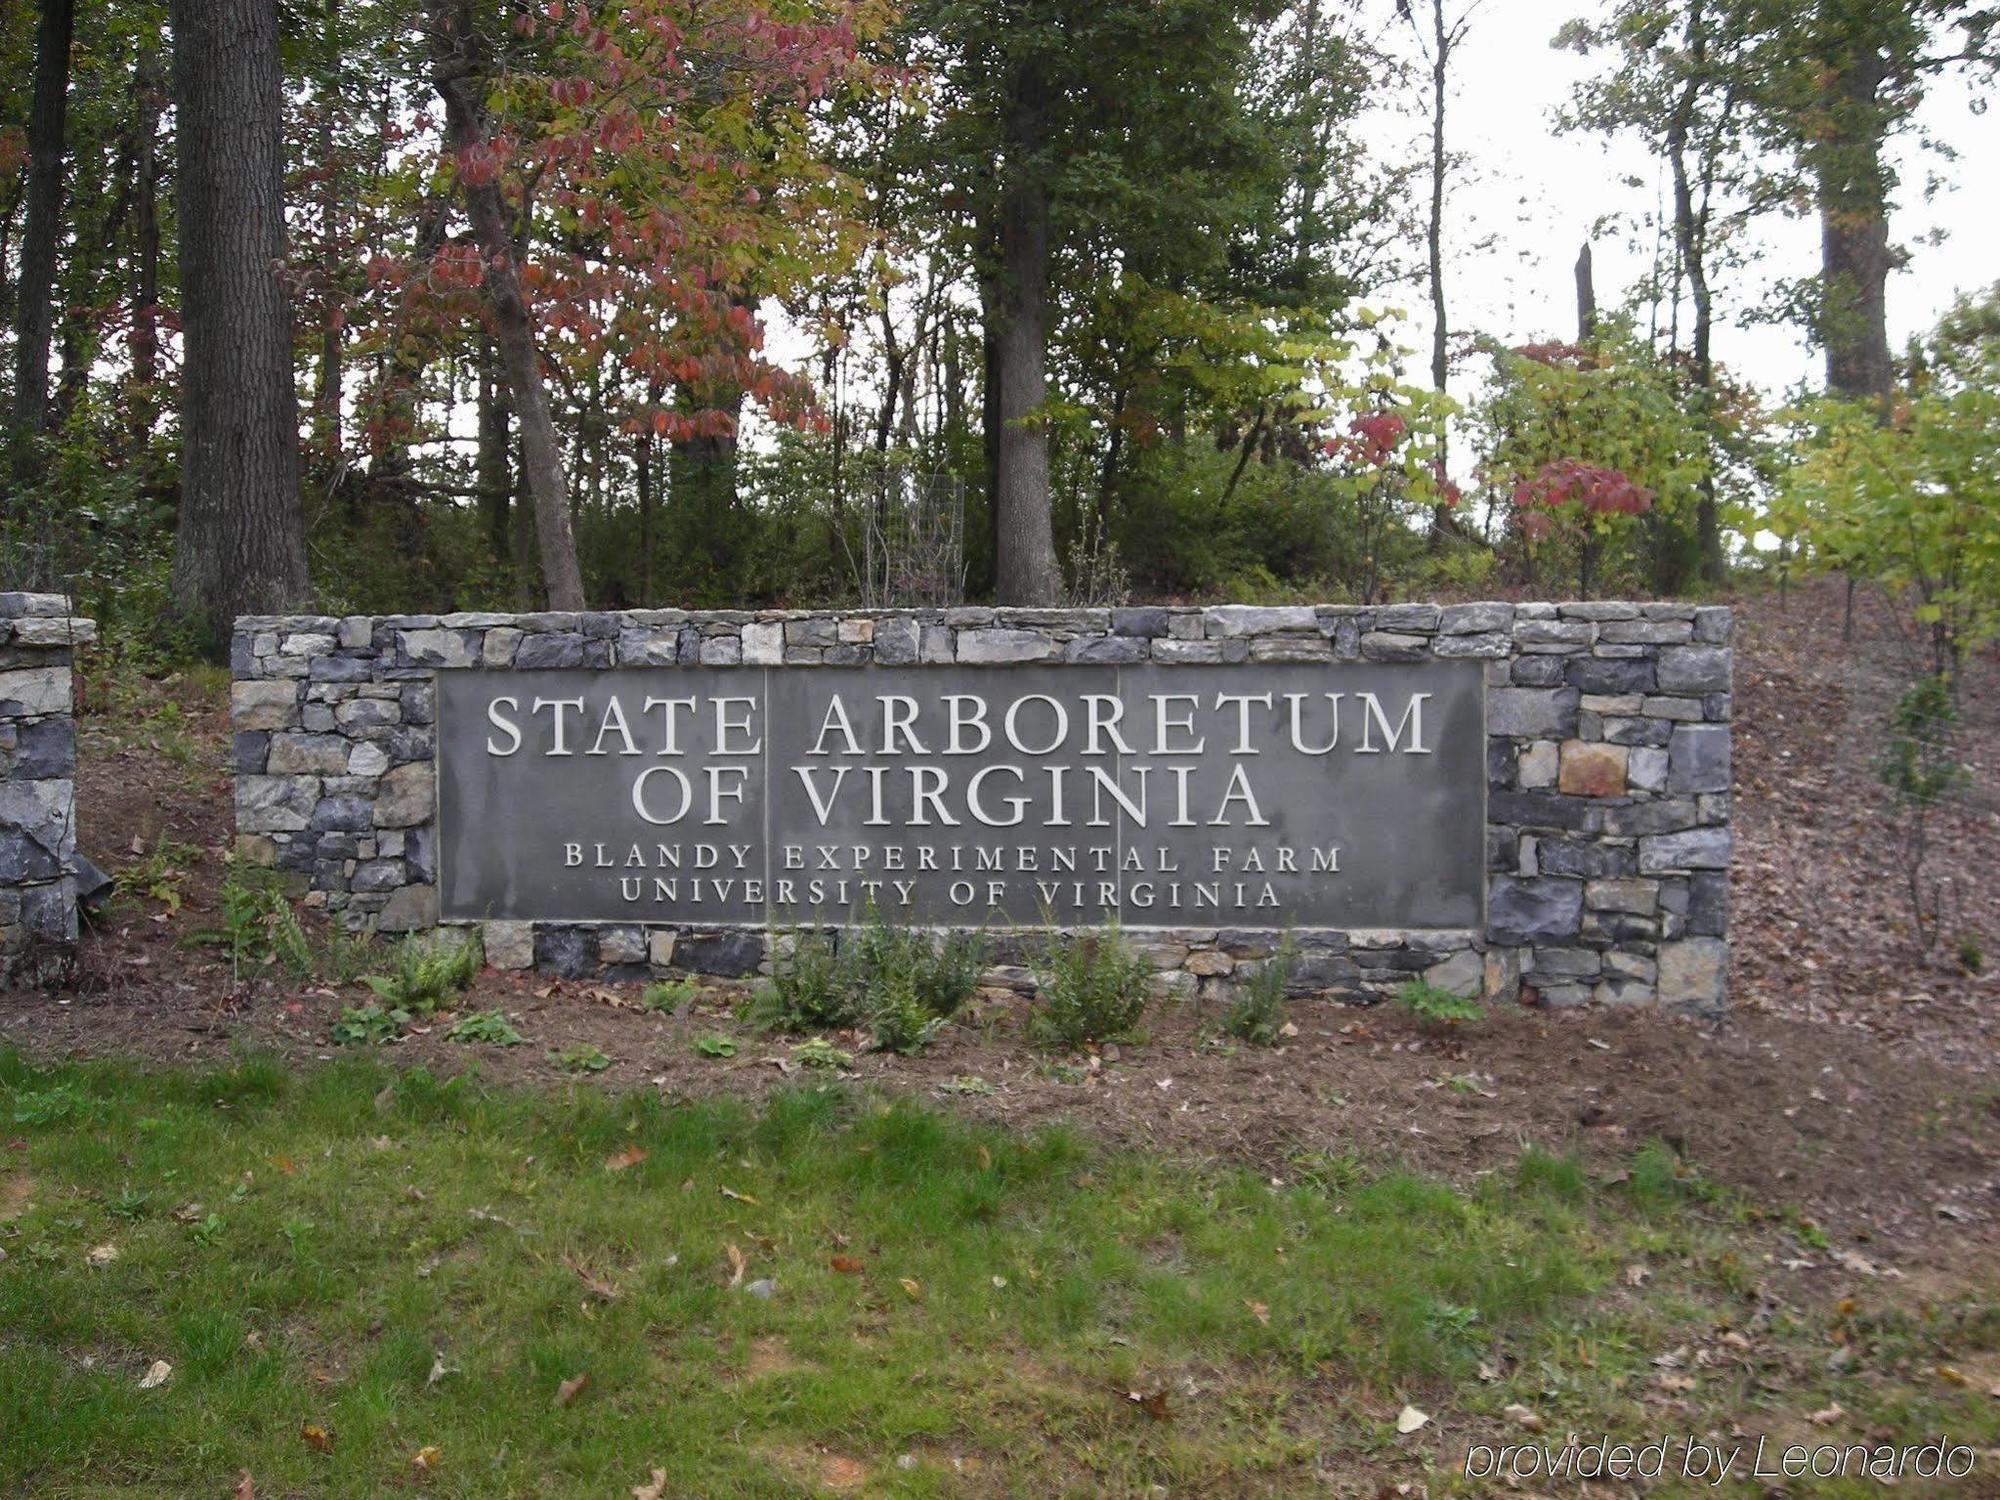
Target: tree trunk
{"type": "Point", "coordinates": [991, 314]}
{"type": "Point", "coordinates": [1025, 569]}
{"type": "Point", "coordinates": [144, 268]}
{"type": "Point", "coordinates": [34, 309]}
{"type": "Point", "coordinates": [493, 469]}
{"type": "Point", "coordinates": [1691, 241]}
{"type": "Point", "coordinates": [460, 77]}
{"type": "Point", "coordinates": [1441, 48]}
{"type": "Point", "coordinates": [240, 547]}
{"type": "Point", "coordinates": [1586, 296]}
{"type": "Point", "coordinates": [701, 479]}
{"type": "Point", "coordinates": [1854, 233]}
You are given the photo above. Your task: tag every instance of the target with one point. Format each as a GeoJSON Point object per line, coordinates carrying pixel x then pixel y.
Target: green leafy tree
{"type": "Point", "coordinates": [1913, 503]}
{"type": "Point", "coordinates": [1593, 459]}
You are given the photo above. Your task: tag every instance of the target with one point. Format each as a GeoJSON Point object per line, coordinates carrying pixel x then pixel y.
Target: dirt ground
{"type": "Point", "coordinates": [1854, 1082]}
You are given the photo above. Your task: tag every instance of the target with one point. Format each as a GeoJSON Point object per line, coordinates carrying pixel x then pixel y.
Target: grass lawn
{"type": "Point", "coordinates": [367, 1283]}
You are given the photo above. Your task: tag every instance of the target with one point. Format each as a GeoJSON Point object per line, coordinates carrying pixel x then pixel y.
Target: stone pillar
{"type": "Point", "coordinates": [37, 790]}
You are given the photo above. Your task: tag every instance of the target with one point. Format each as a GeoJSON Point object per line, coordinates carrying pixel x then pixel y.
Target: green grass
{"type": "Point", "coordinates": [305, 1249]}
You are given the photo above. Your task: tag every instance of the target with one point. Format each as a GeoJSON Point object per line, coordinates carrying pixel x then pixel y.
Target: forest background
{"type": "Point", "coordinates": [450, 304]}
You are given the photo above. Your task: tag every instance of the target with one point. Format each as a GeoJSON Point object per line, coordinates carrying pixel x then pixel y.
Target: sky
{"type": "Point", "coordinates": [1538, 194]}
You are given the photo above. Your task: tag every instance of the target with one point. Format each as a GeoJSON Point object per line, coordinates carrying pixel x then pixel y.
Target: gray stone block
{"type": "Point", "coordinates": [1708, 903]}
{"type": "Point", "coordinates": [1475, 619]}
{"type": "Point", "coordinates": [551, 649]}
{"type": "Point", "coordinates": [728, 955]}
{"type": "Point", "coordinates": [1535, 713]}
{"type": "Point", "coordinates": [1522, 911]}
{"type": "Point", "coordinates": [1698, 758]}
{"type": "Point", "coordinates": [1596, 674]}
{"type": "Point", "coordinates": [999, 645]}
{"type": "Point", "coordinates": [1146, 622]}
{"type": "Point", "coordinates": [1694, 669]}
{"type": "Point", "coordinates": [898, 642]}
{"type": "Point", "coordinates": [1695, 849]}
{"type": "Point", "coordinates": [1231, 620]}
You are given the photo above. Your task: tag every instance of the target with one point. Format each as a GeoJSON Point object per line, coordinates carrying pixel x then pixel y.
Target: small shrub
{"type": "Point", "coordinates": [669, 996]}
{"type": "Point", "coordinates": [369, 1025]}
{"type": "Point", "coordinates": [1920, 771]}
{"type": "Point", "coordinates": [1257, 1015]}
{"type": "Point", "coordinates": [812, 990]}
{"type": "Point", "coordinates": [714, 1046]}
{"type": "Point", "coordinates": [1437, 1009]}
{"type": "Point", "coordinates": [158, 876]}
{"type": "Point", "coordinates": [1093, 989]}
{"type": "Point", "coordinates": [1971, 957]}
{"type": "Point", "coordinates": [820, 1054]}
{"type": "Point", "coordinates": [947, 975]}
{"type": "Point", "coordinates": [899, 1021]}
{"type": "Point", "coordinates": [428, 974]}
{"type": "Point", "coordinates": [258, 926]}
{"type": "Point", "coordinates": [579, 1057]}
{"type": "Point", "coordinates": [489, 1028]}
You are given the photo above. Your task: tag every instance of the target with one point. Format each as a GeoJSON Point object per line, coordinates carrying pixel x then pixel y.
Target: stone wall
{"type": "Point", "coordinates": [37, 793]}
{"type": "Point", "coordinates": [1608, 772]}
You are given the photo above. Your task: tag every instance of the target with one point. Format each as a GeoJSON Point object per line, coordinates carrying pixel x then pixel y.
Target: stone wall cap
{"type": "Point", "coordinates": [16, 606]}
{"type": "Point", "coordinates": [1420, 616]}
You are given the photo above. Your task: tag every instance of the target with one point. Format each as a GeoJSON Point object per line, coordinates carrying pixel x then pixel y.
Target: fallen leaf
{"type": "Point", "coordinates": [1637, 1276]}
{"type": "Point", "coordinates": [285, 1165]}
{"type": "Point", "coordinates": [1409, 1419]}
{"type": "Point", "coordinates": [1259, 1311]}
{"type": "Point", "coordinates": [846, 1265]}
{"type": "Point", "coordinates": [985, 1160]}
{"type": "Point", "coordinates": [572, 1387]}
{"type": "Point", "coordinates": [911, 1285]}
{"type": "Point", "coordinates": [730, 1192]}
{"type": "Point", "coordinates": [439, 1369]}
{"type": "Point", "coordinates": [630, 1156]}
{"type": "Point", "coordinates": [245, 1490]}
{"type": "Point", "coordinates": [157, 1376]}
{"type": "Point", "coordinates": [425, 1458]}
{"type": "Point", "coordinates": [655, 1491]}
{"type": "Point", "coordinates": [1153, 1405]}
{"type": "Point", "coordinates": [736, 1265]}
{"type": "Point", "coordinates": [317, 1438]}
{"type": "Point", "coordinates": [597, 1286]}
{"type": "Point", "coordinates": [1827, 1416]}
{"type": "Point", "coordinates": [1950, 1376]}
{"type": "Point", "coordinates": [102, 1255]}
{"type": "Point", "coordinates": [187, 1213]}
{"type": "Point", "coordinates": [1522, 1416]}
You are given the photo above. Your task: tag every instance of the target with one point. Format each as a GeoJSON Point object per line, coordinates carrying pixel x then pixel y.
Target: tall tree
{"type": "Point", "coordinates": [1025, 570]}
{"type": "Point", "coordinates": [1064, 128]}
{"type": "Point", "coordinates": [1685, 71]}
{"type": "Point", "coordinates": [1439, 36]}
{"type": "Point", "coordinates": [34, 310]}
{"type": "Point", "coordinates": [240, 547]}
{"type": "Point", "coordinates": [1836, 81]}
{"type": "Point", "coordinates": [463, 72]}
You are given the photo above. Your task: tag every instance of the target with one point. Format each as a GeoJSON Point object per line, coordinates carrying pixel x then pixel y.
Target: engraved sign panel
{"type": "Point", "coordinates": [1256, 795]}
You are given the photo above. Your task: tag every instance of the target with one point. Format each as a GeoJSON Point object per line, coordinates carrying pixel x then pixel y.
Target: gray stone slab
{"type": "Point", "coordinates": [1174, 796]}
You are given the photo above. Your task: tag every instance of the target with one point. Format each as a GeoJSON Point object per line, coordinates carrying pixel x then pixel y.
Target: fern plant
{"type": "Point", "coordinates": [428, 974]}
